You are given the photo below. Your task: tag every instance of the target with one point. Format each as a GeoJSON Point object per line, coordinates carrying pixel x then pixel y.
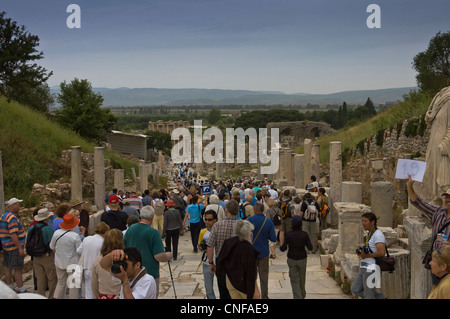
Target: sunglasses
{"type": "Point", "coordinates": [209, 219]}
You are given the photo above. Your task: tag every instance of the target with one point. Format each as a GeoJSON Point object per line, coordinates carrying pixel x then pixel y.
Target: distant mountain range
{"type": "Point", "coordinates": [178, 97]}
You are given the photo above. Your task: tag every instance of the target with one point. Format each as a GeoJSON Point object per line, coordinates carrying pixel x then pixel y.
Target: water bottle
{"type": "Point", "coordinates": [441, 237]}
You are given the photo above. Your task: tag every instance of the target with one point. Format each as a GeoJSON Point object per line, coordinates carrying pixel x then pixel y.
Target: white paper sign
{"type": "Point", "coordinates": [407, 167]}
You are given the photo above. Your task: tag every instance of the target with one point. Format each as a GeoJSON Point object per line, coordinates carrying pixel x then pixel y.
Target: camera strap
{"type": "Point", "coordinates": [370, 235]}
{"type": "Point", "coordinates": [139, 276]}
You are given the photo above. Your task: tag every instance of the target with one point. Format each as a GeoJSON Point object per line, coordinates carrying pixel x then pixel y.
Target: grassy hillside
{"type": "Point", "coordinates": [414, 104]}
{"type": "Point", "coordinates": [31, 147]}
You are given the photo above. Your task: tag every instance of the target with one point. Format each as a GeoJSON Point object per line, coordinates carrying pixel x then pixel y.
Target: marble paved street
{"type": "Point", "coordinates": [188, 277]}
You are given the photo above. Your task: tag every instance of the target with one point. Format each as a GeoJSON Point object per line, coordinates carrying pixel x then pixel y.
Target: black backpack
{"type": "Point", "coordinates": [35, 246]}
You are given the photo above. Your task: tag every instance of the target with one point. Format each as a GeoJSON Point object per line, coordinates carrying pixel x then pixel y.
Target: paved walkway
{"type": "Point", "coordinates": [188, 277]}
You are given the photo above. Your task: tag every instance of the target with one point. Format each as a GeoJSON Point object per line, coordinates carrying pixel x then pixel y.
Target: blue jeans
{"type": "Point", "coordinates": [209, 282]}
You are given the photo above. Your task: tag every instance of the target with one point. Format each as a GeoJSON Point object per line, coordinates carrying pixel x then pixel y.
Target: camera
{"type": "Point", "coordinates": [363, 249]}
{"type": "Point", "coordinates": [115, 268]}
{"type": "Point", "coordinates": [203, 245]}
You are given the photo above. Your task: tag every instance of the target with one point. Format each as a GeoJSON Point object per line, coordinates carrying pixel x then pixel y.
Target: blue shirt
{"type": "Point", "coordinates": [194, 211]}
{"type": "Point", "coordinates": [267, 233]}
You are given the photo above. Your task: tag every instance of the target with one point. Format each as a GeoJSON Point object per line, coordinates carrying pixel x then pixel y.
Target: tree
{"type": "Point", "coordinates": [214, 116]}
{"type": "Point", "coordinates": [21, 79]}
{"type": "Point", "coordinates": [159, 140]}
{"type": "Point", "coordinates": [433, 65]}
{"type": "Point", "coordinates": [81, 110]}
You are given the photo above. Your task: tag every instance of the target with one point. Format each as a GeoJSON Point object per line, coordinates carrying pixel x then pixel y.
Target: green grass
{"type": "Point", "coordinates": [414, 104]}
{"type": "Point", "coordinates": [31, 146]}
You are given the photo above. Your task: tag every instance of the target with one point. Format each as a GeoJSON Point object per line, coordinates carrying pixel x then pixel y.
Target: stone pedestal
{"type": "Point", "coordinates": [76, 183]}
{"type": "Point", "coordinates": [335, 179]}
{"type": "Point", "coordinates": [382, 197]}
{"type": "Point", "coordinates": [396, 285]}
{"type": "Point", "coordinates": [99, 177]}
{"type": "Point", "coordinates": [419, 241]}
{"type": "Point", "coordinates": [352, 192]}
{"type": "Point", "coordinates": [351, 232]}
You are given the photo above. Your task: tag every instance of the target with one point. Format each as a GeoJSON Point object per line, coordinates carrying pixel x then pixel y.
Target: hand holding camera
{"type": "Point", "coordinates": [119, 265]}
{"type": "Point", "coordinates": [363, 250]}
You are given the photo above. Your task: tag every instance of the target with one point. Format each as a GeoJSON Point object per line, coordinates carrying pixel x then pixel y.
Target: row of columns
{"type": "Point", "coordinates": [99, 175]}
{"type": "Point", "coordinates": [296, 170]}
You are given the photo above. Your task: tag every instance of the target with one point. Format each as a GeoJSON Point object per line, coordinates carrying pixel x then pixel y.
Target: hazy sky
{"type": "Point", "coordinates": [314, 46]}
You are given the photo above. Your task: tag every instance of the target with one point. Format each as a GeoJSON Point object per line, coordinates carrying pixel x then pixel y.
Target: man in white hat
{"type": "Point", "coordinates": [44, 264]}
{"type": "Point", "coordinates": [12, 237]}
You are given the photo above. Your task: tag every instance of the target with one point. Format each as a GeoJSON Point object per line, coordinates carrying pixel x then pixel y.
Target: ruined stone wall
{"type": "Point", "coordinates": [375, 159]}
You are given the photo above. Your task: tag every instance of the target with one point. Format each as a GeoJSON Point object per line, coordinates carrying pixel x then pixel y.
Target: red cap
{"type": "Point", "coordinates": [113, 199]}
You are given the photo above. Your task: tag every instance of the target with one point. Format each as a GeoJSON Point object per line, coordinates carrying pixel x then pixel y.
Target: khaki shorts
{"type": "Point", "coordinates": [12, 259]}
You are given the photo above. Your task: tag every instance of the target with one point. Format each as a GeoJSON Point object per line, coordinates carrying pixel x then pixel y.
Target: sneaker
{"type": "Point", "coordinates": [20, 290]}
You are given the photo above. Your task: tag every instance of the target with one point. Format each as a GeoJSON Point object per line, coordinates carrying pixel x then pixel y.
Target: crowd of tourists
{"type": "Point", "coordinates": [234, 225]}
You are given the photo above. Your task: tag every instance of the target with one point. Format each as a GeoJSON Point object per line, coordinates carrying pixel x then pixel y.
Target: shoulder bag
{"type": "Point", "coordinates": [386, 263]}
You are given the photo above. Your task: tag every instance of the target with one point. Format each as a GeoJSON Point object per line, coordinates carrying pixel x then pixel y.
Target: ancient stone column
{"type": "Point", "coordinates": [2, 189]}
{"type": "Point", "coordinates": [352, 192]}
{"type": "Point", "coordinates": [143, 176]}
{"type": "Point", "coordinates": [299, 170]}
{"type": "Point", "coordinates": [315, 161]}
{"type": "Point", "coordinates": [161, 158]}
{"type": "Point", "coordinates": [382, 196]}
{"type": "Point", "coordinates": [119, 176]}
{"type": "Point", "coordinates": [133, 174]}
{"type": "Point", "coordinates": [280, 174]}
{"type": "Point", "coordinates": [287, 162]}
{"type": "Point", "coordinates": [308, 144]}
{"type": "Point", "coordinates": [156, 173]}
{"type": "Point", "coordinates": [99, 177]}
{"type": "Point", "coordinates": [335, 179]}
{"type": "Point", "coordinates": [76, 183]}
{"type": "Point", "coordinates": [219, 170]}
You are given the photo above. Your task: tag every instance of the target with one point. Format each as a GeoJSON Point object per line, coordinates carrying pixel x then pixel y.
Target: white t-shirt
{"type": "Point", "coordinates": [145, 288]}
{"type": "Point", "coordinates": [377, 237]}
{"type": "Point", "coordinates": [273, 194]}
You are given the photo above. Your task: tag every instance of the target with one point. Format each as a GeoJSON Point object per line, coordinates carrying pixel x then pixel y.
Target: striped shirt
{"type": "Point", "coordinates": [221, 231]}
{"type": "Point", "coordinates": [438, 217]}
{"type": "Point", "coordinates": [9, 225]}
